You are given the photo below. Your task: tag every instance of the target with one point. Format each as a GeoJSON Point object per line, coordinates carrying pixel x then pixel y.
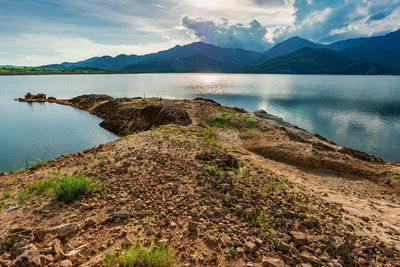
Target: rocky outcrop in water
{"type": "Point", "coordinates": [125, 115]}
{"type": "Point", "coordinates": [29, 97]}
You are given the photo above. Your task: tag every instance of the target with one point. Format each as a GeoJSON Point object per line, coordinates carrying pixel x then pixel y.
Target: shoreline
{"type": "Point", "coordinates": [222, 73]}
{"type": "Point", "coordinates": [231, 187]}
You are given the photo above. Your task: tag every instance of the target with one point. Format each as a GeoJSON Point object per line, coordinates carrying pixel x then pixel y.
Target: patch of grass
{"type": "Point", "coordinates": [70, 188]}
{"type": "Point", "coordinates": [206, 133]}
{"type": "Point", "coordinates": [220, 121]}
{"type": "Point", "coordinates": [141, 255]}
{"type": "Point", "coordinates": [270, 188]}
{"type": "Point", "coordinates": [262, 169]}
{"type": "Point", "coordinates": [397, 175]}
{"type": "Point", "coordinates": [232, 120]}
{"type": "Point", "coordinates": [300, 186]}
{"type": "Point", "coordinates": [65, 188]}
{"type": "Point", "coordinates": [177, 142]}
{"type": "Point", "coordinates": [248, 120]}
{"type": "Point", "coordinates": [130, 135]}
{"type": "Point", "coordinates": [260, 221]}
{"type": "Point", "coordinates": [214, 170]}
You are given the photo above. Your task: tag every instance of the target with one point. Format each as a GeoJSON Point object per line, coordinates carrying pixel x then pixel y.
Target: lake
{"type": "Point", "coordinates": [361, 112]}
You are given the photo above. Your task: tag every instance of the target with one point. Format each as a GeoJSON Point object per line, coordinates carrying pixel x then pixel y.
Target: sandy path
{"type": "Point", "coordinates": [371, 208]}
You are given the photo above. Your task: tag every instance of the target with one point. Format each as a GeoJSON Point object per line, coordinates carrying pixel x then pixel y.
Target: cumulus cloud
{"type": "Point", "coordinates": [250, 36]}
{"type": "Point", "coordinates": [325, 21]}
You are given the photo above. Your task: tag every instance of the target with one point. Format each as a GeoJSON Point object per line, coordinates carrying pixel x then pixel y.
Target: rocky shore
{"type": "Point", "coordinates": [217, 186]}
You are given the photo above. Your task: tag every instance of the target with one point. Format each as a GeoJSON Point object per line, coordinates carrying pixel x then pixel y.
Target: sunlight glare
{"type": "Point", "coordinates": [210, 84]}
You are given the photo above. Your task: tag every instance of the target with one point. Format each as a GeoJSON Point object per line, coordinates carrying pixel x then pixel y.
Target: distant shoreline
{"type": "Point", "coordinates": [97, 73]}
{"type": "Point", "coordinates": [55, 73]}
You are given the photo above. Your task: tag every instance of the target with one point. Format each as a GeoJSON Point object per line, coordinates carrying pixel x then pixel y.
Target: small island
{"type": "Point", "coordinates": [194, 183]}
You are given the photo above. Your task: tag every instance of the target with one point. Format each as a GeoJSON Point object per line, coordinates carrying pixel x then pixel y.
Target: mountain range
{"type": "Point", "coordinates": [372, 55]}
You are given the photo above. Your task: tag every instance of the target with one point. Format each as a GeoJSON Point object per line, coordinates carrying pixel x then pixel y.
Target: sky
{"type": "Point", "coordinates": [34, 33]}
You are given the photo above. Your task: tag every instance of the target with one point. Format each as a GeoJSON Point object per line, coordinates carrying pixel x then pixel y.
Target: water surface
{"type": "Point", "coordinates": [362, 112]}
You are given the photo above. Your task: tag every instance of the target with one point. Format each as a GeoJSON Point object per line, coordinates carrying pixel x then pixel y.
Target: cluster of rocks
{"type": "Point", "coordinates": [29, 97]}
{"type": "Point", "coordinates": [21, 250]}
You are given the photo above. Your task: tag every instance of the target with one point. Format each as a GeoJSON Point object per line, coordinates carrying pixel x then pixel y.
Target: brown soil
{"type": "Point", "coordinates": [200, 189]}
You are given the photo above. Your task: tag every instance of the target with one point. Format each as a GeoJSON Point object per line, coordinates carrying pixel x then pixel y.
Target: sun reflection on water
{"type": "Point", "coordinates": [209, 84]}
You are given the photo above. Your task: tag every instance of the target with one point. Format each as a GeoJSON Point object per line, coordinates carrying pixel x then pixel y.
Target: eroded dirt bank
{"type": "Point", "coordinates": [219, 186]}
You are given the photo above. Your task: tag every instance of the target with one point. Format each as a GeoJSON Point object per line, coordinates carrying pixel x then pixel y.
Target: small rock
{"type": "Point", "coordinates": [192, 226]}
{"type": "Point", "coordinates": [239, 251]}
{"type": "Point", "coordinates": [250, 247]}
{"type": "Point", "coordinates": [76, 251]}
{"type": "Point", "coordinates": [226, 241]}
{"type": "Point", "coordinates": [299, 238]}
{"type": "Point", "coordinates": [272, 262]}
{"type": "Point", "coordinates": [46, 259]}
{"type": "Point", "coordinates": [40, 234]}
{"type": "Point", "coordinates": [30, 257]}
{"type": "Point", "coordinates": [364, 218]}
{"type": "Point", "coordinates": [283, 246]}
{"type": "Point", "coordinates": [57, 248]}
{"type": "Point", "coordinates": [66, 263]}
{"type": "Point", "coordinates": [251, 213]}
{"type": "Point", "coordinates": [121, 215]}
{"type": "Point", "coordinates": [47, 250]}
{"type": "Point", "coordinates": [19, 248]}
{"type": "Point", "coordinates": [3, 174]}
{"type": "Point", "coordinates": [309, 258]}
{"type": "Point", "coordinates": [211, 241]}
{"type": "Point", "coordinates": [90, 221]}
{"type": "Point", "coordinates": [65, 229]}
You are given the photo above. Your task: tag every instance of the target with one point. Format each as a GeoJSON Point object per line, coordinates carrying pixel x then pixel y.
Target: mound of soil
{"type": "Point", "coordinates": [254, 193]}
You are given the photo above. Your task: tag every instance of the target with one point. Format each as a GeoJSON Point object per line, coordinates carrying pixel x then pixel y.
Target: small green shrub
{"type": "Point", "coordinates": [140, 255]}
{"type": "Point", "coordinates": [221, 121]}
{"type": "Point", "coordinates": [248, 120]}
{"type": "Point", "coordinates": [65, 188]}
{"type": "Point", "coordinates": [214, 170]}
{"type": "Point", "coordinates": [69, 188]}
{"type": "Point", "coordinates": [397, 175]}
{"type": "Point", "coordinates": [40, 187]}
{"type": "Point", "coordinates": [260, 221]}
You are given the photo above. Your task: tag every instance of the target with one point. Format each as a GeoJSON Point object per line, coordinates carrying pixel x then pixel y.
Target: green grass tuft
{"type": "Point", "coordinates": [214, 170]}
{"type": "Point", "coordinates": [65, 188]}
{"type": "Point", "coordinates": [220, 122]}
{"type": "Point", "coordinates": [69, 188]}
{"type": "Point", "coordinates": [140, 255]}
{"type": "Point", "coordinates": [397, 175]}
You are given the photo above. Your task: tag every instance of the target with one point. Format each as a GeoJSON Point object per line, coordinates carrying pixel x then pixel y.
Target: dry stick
{"type": "Point", "coordinates": [282, 182]}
